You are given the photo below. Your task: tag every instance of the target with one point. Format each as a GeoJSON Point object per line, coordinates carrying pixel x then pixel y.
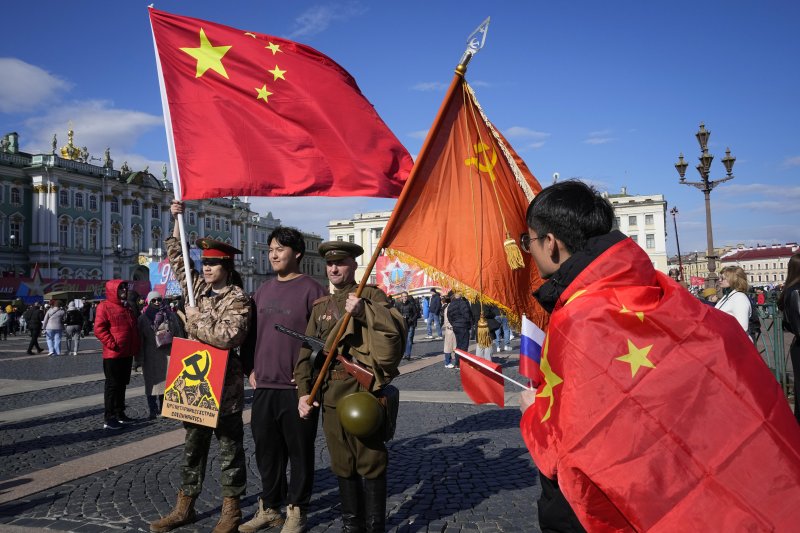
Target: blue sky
{"type": "Point", "coordinates": [609, 92]}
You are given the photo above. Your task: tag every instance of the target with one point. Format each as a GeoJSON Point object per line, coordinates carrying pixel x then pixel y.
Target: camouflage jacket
{"type": "Point", "coordinates": [376, 341]}
{"type": "Point", "coordinates": [222, 322]}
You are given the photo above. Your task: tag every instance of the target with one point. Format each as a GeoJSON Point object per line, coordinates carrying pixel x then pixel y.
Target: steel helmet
{"type": "Point", "coordinates": [360, 414]}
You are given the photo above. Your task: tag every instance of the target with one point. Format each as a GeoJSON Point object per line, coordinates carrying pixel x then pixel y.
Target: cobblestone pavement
{"type": "Point", "coordinates": [453, 467]}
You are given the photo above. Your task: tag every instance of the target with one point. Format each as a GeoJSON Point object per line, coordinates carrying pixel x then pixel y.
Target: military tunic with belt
{"type": "Point", "coordinates": [222, 321]}
{"type": "Point", "coordinates": [376, 341]}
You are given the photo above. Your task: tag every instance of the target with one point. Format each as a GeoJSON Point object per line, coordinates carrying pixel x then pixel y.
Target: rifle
{"type": "Point", "coordinates": [364, 377]}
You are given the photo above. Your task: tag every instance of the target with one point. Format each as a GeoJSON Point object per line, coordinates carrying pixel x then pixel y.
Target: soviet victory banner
{"type": "Point", "coordinates": [194, 382]}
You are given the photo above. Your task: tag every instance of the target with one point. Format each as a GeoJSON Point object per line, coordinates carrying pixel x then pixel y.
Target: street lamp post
{"type": "Point", "coordinates": [674, 212]}
{"type": "Point", "coordinates": [706, 185]}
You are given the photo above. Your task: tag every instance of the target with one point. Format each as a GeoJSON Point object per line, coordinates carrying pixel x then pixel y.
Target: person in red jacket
{"type": "Point", "coordinates": [115, 328]}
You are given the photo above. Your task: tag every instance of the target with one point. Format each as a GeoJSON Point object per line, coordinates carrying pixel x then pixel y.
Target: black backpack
{"type": "Point", "coordinates": [754, 324]}
{"type": "Point", "coordinates": [74, 318]}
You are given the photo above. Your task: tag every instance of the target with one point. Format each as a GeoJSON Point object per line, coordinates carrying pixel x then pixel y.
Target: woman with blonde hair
{"type": "Point", "coordinates": [734, 300]}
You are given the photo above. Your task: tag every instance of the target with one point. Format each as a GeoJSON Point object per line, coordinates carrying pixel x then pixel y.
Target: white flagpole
{"type": "Point", "coordinates": [481, 363]}
{"type": "Point", "coordinates": [173, 163]}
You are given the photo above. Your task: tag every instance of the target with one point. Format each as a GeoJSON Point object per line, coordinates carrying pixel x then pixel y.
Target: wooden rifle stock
{"type": "Point", "coordinates": [364, 377]}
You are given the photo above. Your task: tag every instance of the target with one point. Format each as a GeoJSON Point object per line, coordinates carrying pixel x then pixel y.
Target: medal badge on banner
{"type": "Point", "coordinates": [195, 377]}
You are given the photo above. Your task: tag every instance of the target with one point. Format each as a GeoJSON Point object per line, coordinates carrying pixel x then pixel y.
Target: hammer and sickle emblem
{"type": "Point", "coordinates": [487, 165]}
{"type": "Point", "coordinates": [193, 361]}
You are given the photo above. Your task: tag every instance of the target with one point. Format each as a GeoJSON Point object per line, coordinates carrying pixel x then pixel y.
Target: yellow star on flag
{"type": "Point", "coordinates": [263, 93]}
{"type": "Point", "coordinates": [277, 73]}
{"type": "Point", "coordinates": [208, 56]}
{"type": "Point", "coordinates": [639, 314]}
{"type": "Point", "coordinates": [274, 47]}
{"type": "Point", "coordinates": [636, 357]}
{"type": "Point", "coordinates": [551, 380]}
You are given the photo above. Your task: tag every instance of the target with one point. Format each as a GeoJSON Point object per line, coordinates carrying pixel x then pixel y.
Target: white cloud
{"type": "Point", "coordinates": [599, 137]}
{"type": "Point", "coordinates": [97, 125]}
{"type": "Point", "coordinates": [419, 134]}
{"type": "Point", "coordinates": [24, 87]}
{"type": "Point", "coordinates": [791, 162]}
{"type": "Point", "coordinates": [530, 139]}
{"type": "Point", "coordinates": [317, 19]}
{"type": "Point", "coordinates": [429, 86]}
{"type": "Point", "coordinates": [760, 189]}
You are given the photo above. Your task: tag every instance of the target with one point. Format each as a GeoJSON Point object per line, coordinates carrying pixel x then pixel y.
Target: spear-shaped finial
{"type": "Point", "coordinates": [475, 42]}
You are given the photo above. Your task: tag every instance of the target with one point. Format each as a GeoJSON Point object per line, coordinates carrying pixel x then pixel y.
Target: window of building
{"type": "Point", "coordinates": [136, 208]}
{"type": "Point", "coordinates": [635, 238]}
{"type": "Point", "coordinates": [759, 277]}
{"type": "Point", "coordinates": [782, 277]}
{"type": "Point", "coordinates": [155, 211]}
{"type": "Point", "coordinates": [192, 218]}
{"type": "Point", "coordinates": [78, 237]}
{"type": "Point", "coordinates": [114, 204]}
{"type": "Point", "coordinates": [774, 277]}
{"type": "Point", "coordinates": [15, 230]}
{"type": "Point", "coordinates": [351, 238]}
{"type": "Point", "coordinates": [63, 198]}
{"type": "Point", "coordinates": [93, 237]}
{"type": "Point", "coordinates": [340, 237]}
{"type": "Point", "coordinates": [632, 220]}
{"type": "Point", "coordinates": [651, 241]}
{"type": "Point", "coordinates": [16, 196]}
{"type": "Point", "coordinates": [648, 220]}
{"type": "Point", "coordinates": [208, 222]}
{"type": "Point", "coordinates": [136, 235]}
{"type": "Point", "coordinates": [155, 235]}
{"type": "Point", "coordinates": [227, 225]}
{"type": "Point", "coordinates": [192, 238]}
{"type": "Point", "coordinates": [92, 202]}
{"type": "Point", "coordinates": [79, 200]}
{"type": "Point", "coordinates": [63, 233]}
{"type": "Point", "coordinates": [217, 224]}
{"type": "Point", "coordinates": [616, 223]}
{"type": "Point", "coordinates": [115, 233]}
{"type": "Point", "coordinates": [773, 265]}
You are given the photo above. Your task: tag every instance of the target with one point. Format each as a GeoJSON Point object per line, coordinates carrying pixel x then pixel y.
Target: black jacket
{"type": "Point", "coordinates": [409, 310]}
{"type": "Point", "coordinates": [33, 317]}
{"type": "Point", "coordinates": [435, 305]}
{"type": "Point", "coordinates": [459, 314]}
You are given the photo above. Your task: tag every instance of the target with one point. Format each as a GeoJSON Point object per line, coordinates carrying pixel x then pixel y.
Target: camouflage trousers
{"type": "Point", "coordinates": [230, 434]}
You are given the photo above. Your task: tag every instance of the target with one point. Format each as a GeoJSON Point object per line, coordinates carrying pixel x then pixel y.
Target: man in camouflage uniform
{"type": "Point", "coordinates": [374, 338]}
{"type": "Point", "coordinates": [220, 318]}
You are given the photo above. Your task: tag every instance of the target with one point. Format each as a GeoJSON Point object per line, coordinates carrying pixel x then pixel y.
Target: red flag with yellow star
{"type": "Point", "coordinates": [250, 114]}
{"type": "Point", "coordinates": [656, 412]}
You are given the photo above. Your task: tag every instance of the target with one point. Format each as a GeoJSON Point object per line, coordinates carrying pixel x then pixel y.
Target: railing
{"type": "Point", "coordinates": [15, 159]}
{"type": "Point", "coordinates": [52, 160]}
{"type": "Point", "coordinates": [769, 341]}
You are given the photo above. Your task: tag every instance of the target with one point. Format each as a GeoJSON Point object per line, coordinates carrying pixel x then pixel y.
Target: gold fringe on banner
{"type": "Point", "coordinates": [513, 253]}
{"type": "Point", "coordinates": [514, 318]}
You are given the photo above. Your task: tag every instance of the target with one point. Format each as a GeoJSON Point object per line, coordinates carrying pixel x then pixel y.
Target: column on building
{"type": "Point", "coordinates": [166, 225]}
{"type": "Point", "coordinates": [201, 221]}
{"type": "Point", "coordinates": [105, 233]}
{"type": "Point", "coordinates": [39, 220]}
{"type": "Point", "coordinates": [126, 235]}
{"type": "Point", "coordinates": [147, 224]}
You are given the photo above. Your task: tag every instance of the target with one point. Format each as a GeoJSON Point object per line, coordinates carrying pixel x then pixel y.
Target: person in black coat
{"type": "Point", "coordinates": [460, 317]}
{"type": "Point", "coordinates": [434, 309]}
{"type": "Point", "coordinates": [410, 310]}
{"type": "Point", "coordinates": [33, 318]}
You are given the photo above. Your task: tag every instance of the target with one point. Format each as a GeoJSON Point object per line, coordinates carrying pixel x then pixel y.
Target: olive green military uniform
{"type": "Point", "coordinates": [222, 321]}
{"type": "Point", "coordinates": [376, 341]}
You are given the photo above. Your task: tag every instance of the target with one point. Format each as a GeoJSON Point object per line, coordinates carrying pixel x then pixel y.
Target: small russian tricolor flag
{"type": "Point", "coordinates": [530, 351]}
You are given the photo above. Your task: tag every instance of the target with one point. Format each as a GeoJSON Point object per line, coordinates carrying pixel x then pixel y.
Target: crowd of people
{"type": "Point", "coordinates": [587, 480]}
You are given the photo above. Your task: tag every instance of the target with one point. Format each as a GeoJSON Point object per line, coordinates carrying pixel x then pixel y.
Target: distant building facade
{"type": "Point", "coordinates": [643, 219]}
{"type": "Point", "coordinates": [79, 220]}
{"type": "Point", "coordinates": [764, 265]}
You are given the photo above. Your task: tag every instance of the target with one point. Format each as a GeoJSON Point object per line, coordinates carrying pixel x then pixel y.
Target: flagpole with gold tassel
{"type": "Point", "coordinates": [474, 43]}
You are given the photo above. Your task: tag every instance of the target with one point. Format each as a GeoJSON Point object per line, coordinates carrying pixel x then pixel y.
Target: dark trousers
{"type": "Point", "coordinates": [462, 341]}
{"type": "Point", "coordinates": [282, 437]}
{"type": "Point", "coordinates": [4, 332]}
{"type": "Point", "coordinates": [35, 332]}
{"type": "Point", "coordinates": [118, 375]}
{"type": "Point", "coordinates": [555, 513]}
{"type": "Point", "coordinates": [230, 435]}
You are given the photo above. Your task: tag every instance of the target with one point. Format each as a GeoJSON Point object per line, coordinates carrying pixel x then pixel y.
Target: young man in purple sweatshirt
{"type": "Point", "coordinates": [281, 436]}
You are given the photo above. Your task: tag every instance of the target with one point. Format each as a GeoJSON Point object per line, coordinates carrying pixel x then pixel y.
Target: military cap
{"type": "Point", "coordinates": [335, 250]}
{"type": "Point", "coordinates": [214, 248]}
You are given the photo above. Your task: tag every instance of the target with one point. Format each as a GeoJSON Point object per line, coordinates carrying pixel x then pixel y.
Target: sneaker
{"type": "Point", "coordinates": [507, 348]}
{"type": "Point", "coordinates": [51, 354]}
{"type": "Point", "coordinates": [123, 419]}
{"type": "Point", "coordinates": [40, 350]}
{"type": "Point", "coordinates": [265, 518]}
{"type": "Point", "coordinates": [451, 365]}
{"type": "Point", "coordinates": [112, 424]}
{"type": "Point", "coordinates": [439, 338]}
{"type": "Point", "coordinates": [428, 336]}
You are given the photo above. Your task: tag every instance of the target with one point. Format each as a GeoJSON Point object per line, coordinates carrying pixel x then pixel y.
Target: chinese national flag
{"type": "Point", "coordinates": [468, 194]}
{"type": "Point", "coordinates": [481, 379]}
{"type": "Point", "coordinates": [256, 115]}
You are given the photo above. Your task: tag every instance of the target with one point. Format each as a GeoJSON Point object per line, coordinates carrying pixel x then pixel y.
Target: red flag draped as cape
{"type": "Point", "coordinates": [656, 412]}
{"type": "Point", "coordinates": [256, 115]}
